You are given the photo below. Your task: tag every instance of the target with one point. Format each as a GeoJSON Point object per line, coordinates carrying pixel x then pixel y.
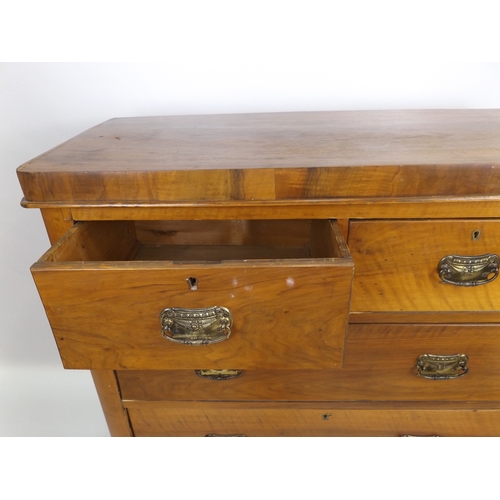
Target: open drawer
{"type": "Point", "coordinates": [198, 294]}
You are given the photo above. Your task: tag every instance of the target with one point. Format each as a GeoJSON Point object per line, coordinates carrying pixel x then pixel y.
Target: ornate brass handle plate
{"type": "Point", "coordinates": [196, 326]}
{"type": "Point", "coordinates": [226, 435]}
{"type": "Point", "coordinates": [442, 367]}
{"type": "Point", "coordinates": [218, 374]}
{"type": "Point", "coordinates": [469, 271]}
{"type": "Point", "coordinates": [417, 436]}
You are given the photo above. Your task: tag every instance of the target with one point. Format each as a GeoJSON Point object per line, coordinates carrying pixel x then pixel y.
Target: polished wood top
{"type": "Point", "coordinates": [273, 156]}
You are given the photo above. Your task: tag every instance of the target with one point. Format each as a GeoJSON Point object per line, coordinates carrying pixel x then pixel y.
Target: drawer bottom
{"type": "Point", "coordinates": [223, 419]}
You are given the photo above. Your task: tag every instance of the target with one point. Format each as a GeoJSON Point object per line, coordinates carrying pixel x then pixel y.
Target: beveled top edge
{"type": "Point", "coordinates": [273, 156]}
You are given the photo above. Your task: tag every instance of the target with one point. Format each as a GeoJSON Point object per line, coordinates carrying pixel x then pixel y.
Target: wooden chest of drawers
{"type": "Point", "coordinates": [308, 274]}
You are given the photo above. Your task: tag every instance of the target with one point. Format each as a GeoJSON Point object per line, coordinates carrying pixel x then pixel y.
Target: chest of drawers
{"type": "Point", "coordinates": [283, 274]}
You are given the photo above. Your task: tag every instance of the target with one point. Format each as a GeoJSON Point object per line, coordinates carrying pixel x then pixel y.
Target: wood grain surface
{"type": "Point", "coordinates": [253, 419]}
{"type": "Point", "coordinates": [341, 208]}
{"type": "Point", "coordinates": [105, 313]}
{"type": "Point", "coordinates": [110, 398]}
{"type": "Point", "coordinates": [273, 156]}
{"type": "Point", "coordinates": [396, 265]}
{"type": "Point", "coordinates": [379, 365]}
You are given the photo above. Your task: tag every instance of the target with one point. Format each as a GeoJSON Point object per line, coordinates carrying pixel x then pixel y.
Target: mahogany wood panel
{"type": "Point", "coordinates": [107, 317]}
{"type": "Point", "coordinates": [433, 317]}
{"type": "Point", "coordinates": [251, 419]}
{"type": "Point", "coordinates": [105, 314]}
{"type": "Point", "coordinates": [344, 227]}
{"type": "Point", "coordinates": [385, 181]}
{"type": "Point", "coordinates": [294, 233]}
{"type": "Point", "coordinates": [98, 241]}
{"type": "Point", "coordinates": [57, 222]}
{"type": "Point", "coordinates": [372, 208]}
{"type": "Point", "coordinates": [273, 156]}
{"type": "Point", "coordinates": [339, 405]}
{"type": "Point", "coordinates": [379, 365]}
{"type": "Point", "coordinates": [183, 253]}
{"type": "Point", "coordinates": [110, 398]}
{"type": "Point", "coordinates": [396, 265]}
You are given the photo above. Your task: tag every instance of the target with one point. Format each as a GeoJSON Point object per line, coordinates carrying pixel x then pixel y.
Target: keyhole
{"type": "Point", "coordinates": [193, 283]}
{"type": "Point", "coordinates": [476, 234]}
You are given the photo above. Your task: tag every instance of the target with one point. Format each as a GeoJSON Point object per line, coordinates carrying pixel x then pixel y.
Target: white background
{"type": "Point", "coordinates": [200, 57]}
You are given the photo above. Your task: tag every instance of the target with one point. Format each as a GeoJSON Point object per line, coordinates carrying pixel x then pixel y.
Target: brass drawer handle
{"type": "Point", "coordinates": [218, 374]}
{"type": "Point", "coordinates": [469, 271]}
{"type": "Point", "coordinates": [442, 367]}
{"type": "Point", "coordinates": [226, 435]}
{"type": "Point", "coordinates": [418, 436]}
{"type": "Point", "coordinates": [196, 326]}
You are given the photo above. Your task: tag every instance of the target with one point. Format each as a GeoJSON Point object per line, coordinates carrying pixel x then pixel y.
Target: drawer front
{"type": "Point", "coordinates": [219, 419]}
{"type": "Point", "coordinates": [107, 314]}
{"type": "Point", "coordinates": [397, 265]}
{"type": "Point", "coordinates": [380, 365]}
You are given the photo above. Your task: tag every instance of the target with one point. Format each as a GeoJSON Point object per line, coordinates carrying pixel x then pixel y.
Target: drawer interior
{"type": "Point", "coordinates": [106, 285]}
{"type": "Point", "coordinates": [200, 241]}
